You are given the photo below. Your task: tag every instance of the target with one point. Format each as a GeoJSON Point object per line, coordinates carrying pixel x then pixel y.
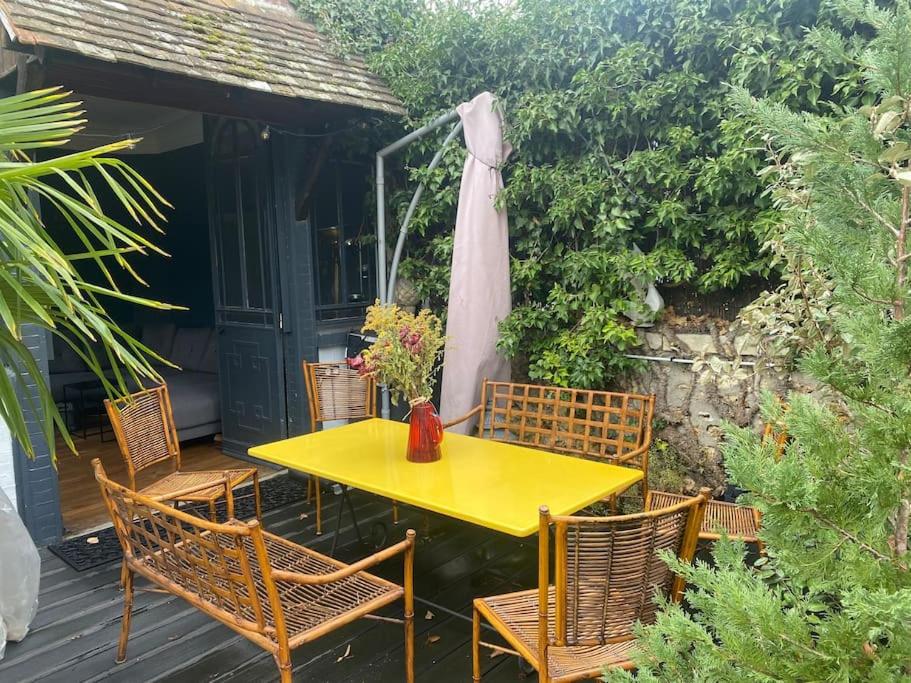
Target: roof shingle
{"type": "Point", "coordinates": [241, 43]}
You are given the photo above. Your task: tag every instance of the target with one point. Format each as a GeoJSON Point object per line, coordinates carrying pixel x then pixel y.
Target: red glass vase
{"type": "Point", "coordinates": [425, 434]}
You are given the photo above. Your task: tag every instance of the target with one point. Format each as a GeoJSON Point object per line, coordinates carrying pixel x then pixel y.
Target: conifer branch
{"type": "Point", "coordinates": [828, 523]}
{"type": "Point", "coordinates": [900, 255]}
{"type": "Point", "coordinates": [868, 298]}
{"type": "Point", "coordinates": [903, 512]}
{"type": "Point", "coordinates": [886, 223]}
{"type": "Point", "coordinates": [847, 535]}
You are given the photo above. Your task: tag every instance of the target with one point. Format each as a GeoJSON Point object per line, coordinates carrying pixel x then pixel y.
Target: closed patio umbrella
{"type": "Point", "coordinates": [479, 291]}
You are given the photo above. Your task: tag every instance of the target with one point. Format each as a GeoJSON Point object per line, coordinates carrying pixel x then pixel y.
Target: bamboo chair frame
{"type": "Point", "coordinates": [275, 593]}
{"type": "Point", "coordinates": [143, 424]}
{"type": "Point", "coordinates": [735, 521]}
{"type": "Point", "coordinates": [596, 425]}
{"type": "Point", "coordinates": [336, 392]}
{"type": "Point", "coordinates": [605, 572]}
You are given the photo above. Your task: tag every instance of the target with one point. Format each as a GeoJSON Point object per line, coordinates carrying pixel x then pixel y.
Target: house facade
{"type": "Point", "coordinates": [272, 250]}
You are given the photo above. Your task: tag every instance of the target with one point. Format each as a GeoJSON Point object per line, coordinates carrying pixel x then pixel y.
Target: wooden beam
{"type": "Point", "coordinates": [30, 73]}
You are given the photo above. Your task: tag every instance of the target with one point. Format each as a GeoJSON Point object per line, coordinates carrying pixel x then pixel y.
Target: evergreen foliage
{"type": "Point", "coordinates": [617, 111]}
{"type": "Point", "coordinates": [833, 600]}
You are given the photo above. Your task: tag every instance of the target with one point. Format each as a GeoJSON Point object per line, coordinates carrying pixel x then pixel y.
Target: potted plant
{"type": "Point", "coordinates": [406, 353]}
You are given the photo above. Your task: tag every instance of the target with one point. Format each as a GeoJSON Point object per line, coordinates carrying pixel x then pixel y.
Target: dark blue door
{"type": "Point", "coordinates": [247, 302]}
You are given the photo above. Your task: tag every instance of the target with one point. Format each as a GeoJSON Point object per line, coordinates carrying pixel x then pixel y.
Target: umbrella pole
{"type": "Point", "coordinates": [384, 279]}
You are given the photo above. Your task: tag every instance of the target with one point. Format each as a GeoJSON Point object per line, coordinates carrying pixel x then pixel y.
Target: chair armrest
{"type": "Point", "coordinates": [471, 413]}
{"type": "Point", "coordinates": [626, 457]}
{"type": "Point", "coordinates": [345, 572]}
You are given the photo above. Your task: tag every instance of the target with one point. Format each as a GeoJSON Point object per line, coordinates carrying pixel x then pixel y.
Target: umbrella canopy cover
{"type": "Point", "coordinates": [479, 290]}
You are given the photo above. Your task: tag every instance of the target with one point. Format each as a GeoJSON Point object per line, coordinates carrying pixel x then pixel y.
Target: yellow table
{"type": "Point", "coordinates": [496, 485]}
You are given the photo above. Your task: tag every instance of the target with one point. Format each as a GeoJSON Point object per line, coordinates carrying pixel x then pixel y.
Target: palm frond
{"type": "Point", "coordinates": [39, 281]}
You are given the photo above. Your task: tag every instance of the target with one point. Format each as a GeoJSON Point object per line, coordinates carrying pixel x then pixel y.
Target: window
{"type": "Point", "coordinates": [344, 243]}
{"type": "Point", "coordinates": [245, 276]}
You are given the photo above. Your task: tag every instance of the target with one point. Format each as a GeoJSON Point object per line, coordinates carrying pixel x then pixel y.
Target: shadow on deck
{"type": "Point", "coordinates": [74, 636]}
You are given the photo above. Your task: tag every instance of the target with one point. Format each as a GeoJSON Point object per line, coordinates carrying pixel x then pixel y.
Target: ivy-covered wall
{"type": "Point", "coordinates": [623, 135]}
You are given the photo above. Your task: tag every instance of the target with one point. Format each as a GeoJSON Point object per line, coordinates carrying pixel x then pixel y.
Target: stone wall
{"type": "Point", "coordinates": [708, 374]}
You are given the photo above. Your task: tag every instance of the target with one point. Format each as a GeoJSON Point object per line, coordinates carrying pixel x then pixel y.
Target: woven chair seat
{"type": "Point", "coordinates": [739, 522]}
{"type": "Point", "coordinates": [180, 481]}
{"type": "Point", "coordinates": [308, 607]}
{"type": "Point", "coordinates": [518, 612]}
{"type": "Point", "coordinates": [305, 607]}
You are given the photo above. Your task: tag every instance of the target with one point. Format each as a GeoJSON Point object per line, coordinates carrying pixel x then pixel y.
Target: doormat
{"type": "Point", "coordinates": [82, 553]}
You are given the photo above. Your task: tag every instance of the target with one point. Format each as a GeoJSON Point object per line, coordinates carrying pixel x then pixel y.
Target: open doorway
{"type": "Point", "coordinates": [172, 157]}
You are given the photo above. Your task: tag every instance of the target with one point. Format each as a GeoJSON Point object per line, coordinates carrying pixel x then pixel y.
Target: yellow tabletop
{"type": "Point", "coordinates": [496, 485]}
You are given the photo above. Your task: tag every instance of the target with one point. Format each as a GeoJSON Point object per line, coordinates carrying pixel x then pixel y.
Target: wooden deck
{"type": "Point", "coordinates": [74, 636]}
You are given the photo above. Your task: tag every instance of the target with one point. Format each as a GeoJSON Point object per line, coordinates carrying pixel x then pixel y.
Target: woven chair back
{"type": "Point", "coordinates": [594, 424]}
{"type": "Point", "coordinates": [336, 392]}
{"type": "Point", "coordinates": [215, 567]}
{"type": "Point", "coordinates": [144, 427]}
{"type": "Point", "coordinates": [608, 571]}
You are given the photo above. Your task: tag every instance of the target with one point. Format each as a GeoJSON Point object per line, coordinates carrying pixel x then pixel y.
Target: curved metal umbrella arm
{"type": "Point", "coordinates": [403, 231]}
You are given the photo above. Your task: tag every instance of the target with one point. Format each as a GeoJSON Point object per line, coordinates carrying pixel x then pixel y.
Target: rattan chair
{"type": "Point", "coordinates": [606, 573]}
{"type": "Point", "coordinates": [336, 392]}
{"type": "Point", "coordinates": [275, 593]}
{"type": "Point", "coordinates": [598, 425]}
{"type": "Point", "coordinates": [144, 426]}
{"type": "Point", "coordinates": [737, 522]}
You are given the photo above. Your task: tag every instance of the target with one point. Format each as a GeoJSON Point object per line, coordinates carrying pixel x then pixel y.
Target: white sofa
{"type": "Point", "coordinates": [194, 390]}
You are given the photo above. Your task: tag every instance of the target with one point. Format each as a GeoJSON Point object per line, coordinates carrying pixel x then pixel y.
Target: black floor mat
{"type": "Point", "coordinates": [275, 493]}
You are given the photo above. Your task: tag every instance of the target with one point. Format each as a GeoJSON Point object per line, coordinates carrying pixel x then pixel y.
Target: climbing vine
{"type": "Point", "coordinates": [618, 114]}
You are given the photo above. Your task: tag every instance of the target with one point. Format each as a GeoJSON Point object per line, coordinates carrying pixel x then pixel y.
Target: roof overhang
{"type": "Point", "coordinates": [232, 48]}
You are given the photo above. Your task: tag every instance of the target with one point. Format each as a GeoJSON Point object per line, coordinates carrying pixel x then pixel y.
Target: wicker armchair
{"type": "Point", "coordinates": [336, 392]}
{"type": "Point", "coordinates": [598, 425]}
{"type": "Point", "coordinates": [144, 426]}
{"type": "Point", "coordinates": [275, 593]}
{"type": "Point", "coordinates": [606, 570]}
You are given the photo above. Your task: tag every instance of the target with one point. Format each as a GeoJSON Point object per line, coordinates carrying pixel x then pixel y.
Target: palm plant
{"type": "Point", "coordinates": [40, 283]}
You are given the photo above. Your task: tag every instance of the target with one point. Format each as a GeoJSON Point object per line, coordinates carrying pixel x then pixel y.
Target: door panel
{"type": "Point", "coordinates": [247, 303]}
{"type": "Point", "coordinates": [249, 377]}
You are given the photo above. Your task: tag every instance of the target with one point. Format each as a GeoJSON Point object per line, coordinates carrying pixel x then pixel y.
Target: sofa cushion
{"type": "Point", "coordinates": [190, 346]}
{"type": "Point", "coordinates": [194, 399]}
{"type": "Point", "coordinates": [159, 337]}
{"type": "Point", "coordinates": [65, 359]}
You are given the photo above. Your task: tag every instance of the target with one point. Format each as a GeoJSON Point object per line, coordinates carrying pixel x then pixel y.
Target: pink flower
{"type": "Point", "coordinates": [356, 363]}
{"type": "Point", "coordinates": [412, 341]}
